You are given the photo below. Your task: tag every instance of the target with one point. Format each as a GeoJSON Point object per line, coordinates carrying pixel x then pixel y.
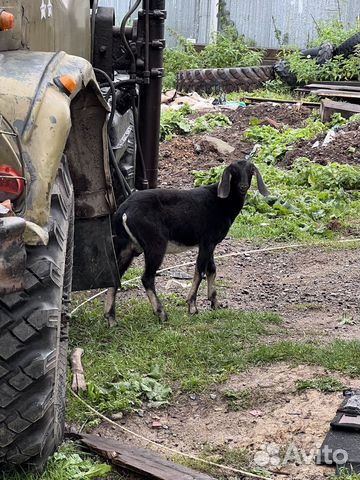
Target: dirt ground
{"type": "Point", "coordinates": [282, 417]}
{"type": "Point", "coordinates": [311, 288]}
{"type": "Point", "coordinates": [181, 155]}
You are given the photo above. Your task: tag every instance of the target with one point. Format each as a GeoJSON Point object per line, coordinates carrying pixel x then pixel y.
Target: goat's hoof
{"type": "Point", "coordinates": [111, 320]}
{"type": "Point", "coordinates": [163, 316]}
{"type": "Point", "coordinates": [193, 309]}
{"type": "Point", "coordinates": [215, 305]}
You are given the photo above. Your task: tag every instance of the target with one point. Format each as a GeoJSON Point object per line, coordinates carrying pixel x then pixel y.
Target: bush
{"type": "Point", "coordinates": [338, 68]}
{"type": "Point", "coordinates": [229, 49]}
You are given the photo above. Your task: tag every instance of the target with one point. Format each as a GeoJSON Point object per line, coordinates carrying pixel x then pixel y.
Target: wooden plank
{"type": "Point", "coordinates": [354, 83]}
{"type": "Point", "coordinates": [140, 460]}
{"type": "Point", "coordinates": [336, 93]}
{"type": "Point", "coordinates": [271, 100]}
{"type": "Point", "coordinates": [329, 107]}
{"type": "Point", "coordinates": [333, 87]}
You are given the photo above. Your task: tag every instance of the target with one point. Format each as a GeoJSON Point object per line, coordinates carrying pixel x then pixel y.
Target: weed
{"type": "Point", "coordinates": [323, 384]}
{"type": "Point", "coordinates": [334, 31]}
{"type": "Point", "coordinates": [191, 352]}
{"type": "Point", "coordinates": [239, 400]}
{"type": "Point", "coordinates": [304, 201]}
{"type": "Point", "coordinates": [229, 49]}
{"type": "Point", "coordinates": [210, 121]}
{"type": "Point", "coordinates": [344, 474]}
{"type": "Point", "coordinates": [302, 307]}
{"type": "Point", "coordinates": [231, 457]}
{"type": "Point", "coordinates": [339, 355]}
{"type": "Point", "coordinates": [346, 319]}
{"type": "Point", "coordinates": [176, 122]}
{"type": "Point", "coordinates": [338, 68]}
{"type": "Point", "coordinates": [129, 393]}
{"type": "Point", "coordinates": [274, 89]}
{"type": "Point", "coordinates": [275, 143]}
{"type": "Point", "coordinates": [68, 463]}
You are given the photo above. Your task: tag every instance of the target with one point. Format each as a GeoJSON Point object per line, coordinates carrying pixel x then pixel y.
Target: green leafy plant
{"type": "Point", "coordinates": [335, 69]}
{"type": "Point", "coordinates": [238, 400]}
{"type": "Point", "coordinates": [184, 57]}
{"type": "Point", "coordinates": [275, 143]}
{"type": "Point", "coordinates": [129, 394]}
{"type": "Point", "coordinates": [175, 122]}
{"type": "Point", "coordinates": [323, 384]}
{"type": "Point", "coordinates": [68, 463]}
{"type": "Point", "coordinates": [306, 201]}
{"type": "Point", "coordinates": [229, 49]}
{"type": "Point", "coordinates": [334, 31]}
{"type": "Point", "coordinates": [210, 121]}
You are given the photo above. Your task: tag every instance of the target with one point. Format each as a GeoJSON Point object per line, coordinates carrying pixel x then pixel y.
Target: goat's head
{"type": "Point", "coordinates": [237, 179]}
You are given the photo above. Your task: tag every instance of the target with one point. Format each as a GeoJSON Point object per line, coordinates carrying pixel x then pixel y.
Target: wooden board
{"type": "Point", "coordinates": [329, 107]}
{"type": "Point", "coordinates": [336, 93]}
{"type": "Point", "coordinates": [139, 460]}
{"type": "Point", "coordinates": [328, 86]}
{"type": "Point", "coordinates": [340, 84]}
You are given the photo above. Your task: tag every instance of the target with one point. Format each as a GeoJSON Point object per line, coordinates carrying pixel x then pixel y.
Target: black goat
{"type": "Point", "coordinates": [156, 222]}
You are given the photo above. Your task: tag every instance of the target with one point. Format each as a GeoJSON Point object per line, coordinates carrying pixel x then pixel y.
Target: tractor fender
{"type": "Point", "coordinates": [51, 121]}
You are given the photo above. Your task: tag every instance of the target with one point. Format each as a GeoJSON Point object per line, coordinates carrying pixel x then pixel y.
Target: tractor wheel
{"type": "Point", "coordinates": [214, 80]}
{"type": "Point", "coordinates": [33, 341]}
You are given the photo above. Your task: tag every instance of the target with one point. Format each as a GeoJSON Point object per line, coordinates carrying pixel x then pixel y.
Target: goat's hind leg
{"type": "Point", "coordinates": [153, 261]}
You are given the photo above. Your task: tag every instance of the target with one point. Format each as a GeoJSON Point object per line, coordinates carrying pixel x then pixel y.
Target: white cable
{"type": "Point", "coordinates": [226, 255]}
{"type": "Point", "coordinates": [164, 447]}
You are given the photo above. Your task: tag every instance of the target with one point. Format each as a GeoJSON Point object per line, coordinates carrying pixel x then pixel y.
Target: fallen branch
{"type": "Point", "coordinates": [78, 383]}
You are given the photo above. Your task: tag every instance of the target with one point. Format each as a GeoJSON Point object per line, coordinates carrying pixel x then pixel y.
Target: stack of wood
{"type": "Point", "coordinates": [347, 92]}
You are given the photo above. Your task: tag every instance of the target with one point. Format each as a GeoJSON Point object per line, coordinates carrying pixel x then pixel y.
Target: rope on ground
{"type": "Point", "coordinates": [164, 447]}
{"type": "Point", "coordinates": [226, 255]}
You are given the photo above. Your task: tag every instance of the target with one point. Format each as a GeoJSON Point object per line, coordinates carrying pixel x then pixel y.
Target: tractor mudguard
{"type": "Point", "coordinates": [51, 122]}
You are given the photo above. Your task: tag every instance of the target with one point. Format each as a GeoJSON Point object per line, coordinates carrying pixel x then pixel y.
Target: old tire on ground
{"type": "Point", "coordinates": [348, 47]}
{"type": "Point", "coordinates": [33, 341]}
{"type": "Point", "coordinates": [215, 80]}
{"type": "Point", "coordinates": [282, 69]}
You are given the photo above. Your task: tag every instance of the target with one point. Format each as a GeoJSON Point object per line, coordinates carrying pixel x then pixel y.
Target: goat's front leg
{"type": "Point", "coordinates": [124, 254]}
{"type": "Point", "coordinates": [109, 309]}
{"type": "Point", "coordinates": [211, 275]}
{"type": "Point", "coordinates": [202, 261]}
{"type": "Point", "coordinates": [153, 261]}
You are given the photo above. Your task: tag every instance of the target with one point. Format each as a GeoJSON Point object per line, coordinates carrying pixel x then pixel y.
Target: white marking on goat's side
{"type": "Point", "coordinates": [128, 231]}
{"type": "Point", "coordinates": [174, 247]}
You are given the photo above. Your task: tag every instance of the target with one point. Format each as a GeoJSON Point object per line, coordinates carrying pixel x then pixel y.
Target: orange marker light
{"type": "Point", "coordinates": [7, 20]}
{"type": "Point", "coordinates": [66, 83]}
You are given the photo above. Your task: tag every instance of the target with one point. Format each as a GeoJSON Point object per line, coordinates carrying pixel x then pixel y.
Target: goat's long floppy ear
{"type": "Point", "coordinates": [260, 182]}
{"type": "Point", "coordinates": [224, 184]}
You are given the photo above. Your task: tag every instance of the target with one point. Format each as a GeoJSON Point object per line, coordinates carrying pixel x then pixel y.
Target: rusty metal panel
{"type": "Point", "coordinates": [12, 254]}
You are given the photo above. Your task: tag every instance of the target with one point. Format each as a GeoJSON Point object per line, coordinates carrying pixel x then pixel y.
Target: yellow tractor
{"type": "Point", "coordinates": [79, 129]}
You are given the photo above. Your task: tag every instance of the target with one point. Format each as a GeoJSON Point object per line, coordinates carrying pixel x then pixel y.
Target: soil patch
{"type": "Point", "coordinates": [183, 154]}
{"type": "Point", "coordinates": [343, 149]}
{"type": "Point", "coordinates": [279, 416]}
